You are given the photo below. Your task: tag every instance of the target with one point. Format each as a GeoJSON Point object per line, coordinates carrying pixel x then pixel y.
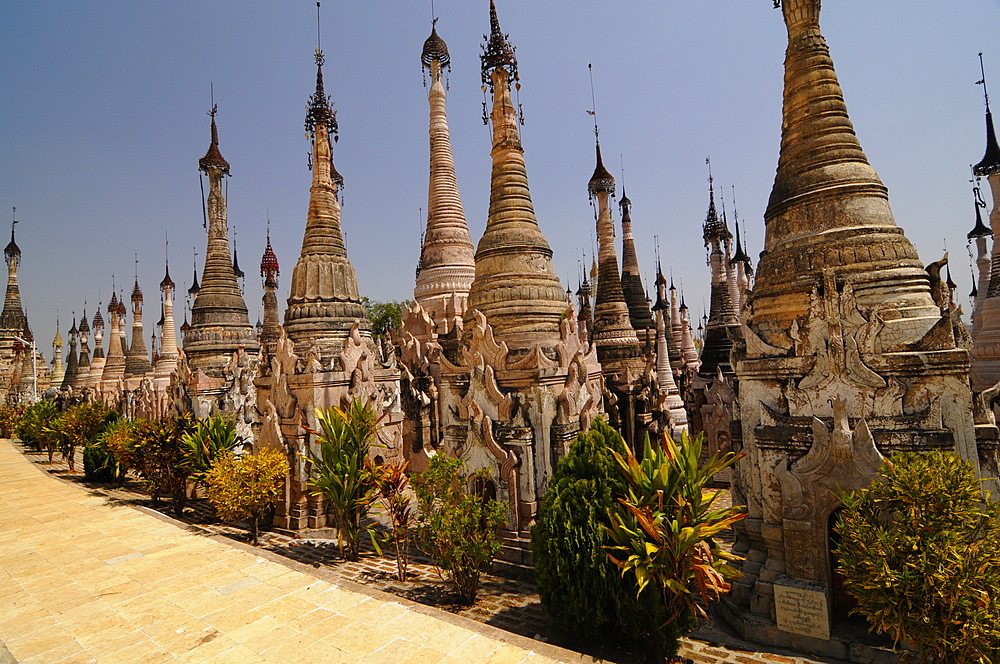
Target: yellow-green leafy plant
{"type": "Point", "coordinates": [342, 473]}
{"type": "Point", "coordinates": [10, 417]}
{"type": "Point", "coordinates": [919, 550]}
{"type": "Point", "coordinates": [210, 439]}
{"type": "Point", "coordinates": [664, 528]}
{"type": "Point", "coordinates": [456, 527]}
{"type": "Point", "coordinates": [241, 487]}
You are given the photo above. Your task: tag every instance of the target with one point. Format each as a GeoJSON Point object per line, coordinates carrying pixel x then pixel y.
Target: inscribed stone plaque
{"type": "Point", "coordinates": [802, 611]}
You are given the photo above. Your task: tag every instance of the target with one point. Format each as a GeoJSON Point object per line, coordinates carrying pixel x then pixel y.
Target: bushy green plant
{"type": "Point", "coordinates": [342, 473]}
{"type": "Point", "coordinates": [456, 528]}
{"type": "Point", "coordinates": [109, 456]}
{"type": "Point", "coordinates": [80, 426]}
{"type": "Point", "coordinates": [242, 487]}
{"type": "Point", "coordinates": [393, 485]}
{"type": "Point", "coordinates": [585, 596]}
{"type": "Point", "coordinates": [210, 439]}
{"type": "Point", "coordinates": [158, 457]}
{"type": "Point", "coordinates": [32, 423]}
{"type": "Point", "coordinates": [920, 552]}
{"type": "Point", "coordinates": [664, 528]}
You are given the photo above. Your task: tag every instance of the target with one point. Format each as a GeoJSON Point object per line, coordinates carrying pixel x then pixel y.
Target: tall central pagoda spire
{"type": "Point", "coordinates": [324, 301]}
{"type": "Point", "coordinates": [219, 321]}
{"type": "Point", "coordinates": [447, 261]}
{"type": "Point", "coordinates": [515, 286]}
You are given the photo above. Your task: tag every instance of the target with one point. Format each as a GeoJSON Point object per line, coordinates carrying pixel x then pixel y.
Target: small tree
{"type": "Point", "coordinates": [343, 474]}
{"type": "Point", "coordinates": [32, 424]}
{"type": "Point", "coordinates": [664, 528]}
{"type": "Point", "coordinates": [243, 487]}
{"type": "Point", "coordinates": [121, 439]}
{"type": "Point", "coordinates": [585, 596]}
{"type": "Point", "coordinates": [457, 529]}
{"type": "Point", "coordinates": [920, 552]}
{"type": "Point", "coordinates": [159, 458]}
{"type": "Point", "coordinates": [209, 440]}
{"type": "Point", "coordinates": [393, 486]}
{"type": "Point", "coordinates": [80, 426]}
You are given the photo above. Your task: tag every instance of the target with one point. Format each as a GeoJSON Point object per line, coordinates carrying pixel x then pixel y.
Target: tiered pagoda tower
{"type": "Point", "coordinates": [324, 302]}
{"type": "Point", "coordinates": [521, 384]}
{"type": "Point", "coordinates": [515, 287]}
{"type": "Point", "coordinates": [69, 377]}
{"type": "Point", "coordinates": [986, 323]}
{"type": "Point", "coordinates": [58, 370]}
{"type": "Point", "coordinates": [114, 365]}
{"type": "Point", "coordinates": [137, 358]}
{"type": "Point", "coordinates": [447, 261]}
{"type": "Point", "coordinates": [848, 354]}
{"type": "Point", "coordinates": [13, 321]}
{"type": "Point", "coordinates": [618, 347]}
{"type": "Point", "coordinates": [219, 322]}
{"type": "Point", "coordinates": [83, 365]}
{"type": "Point", "coordinates": [270, 330]}
{"type": "Point", "coordinates": [639, 313]}
{"type": "Point", "coordinates": [326, 355]}
{"type": "Point", "coordinates": [98, 360]}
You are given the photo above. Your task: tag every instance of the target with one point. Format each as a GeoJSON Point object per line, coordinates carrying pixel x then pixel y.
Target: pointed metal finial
{"type": "Point", "coordinates": [593, 102]}
{"type": "Point", "coordinates": [982, 81]}
{"type": "Point", "coordinates": [319, 50]}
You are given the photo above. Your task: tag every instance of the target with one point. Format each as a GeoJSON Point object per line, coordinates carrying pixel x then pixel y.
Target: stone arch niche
{"type": "Point", "coordinates": [838, 460]}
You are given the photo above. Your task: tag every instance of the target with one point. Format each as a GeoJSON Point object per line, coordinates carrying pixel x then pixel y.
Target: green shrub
{"type": "Point", "coordinates": [210, 439]}
{"type": "Point", "coordinates": [242, 487]}
{"type": "Point", "coordinates": [585, 596]}
{"type": "Point", "coordinates": [457, 529]}
{"type": "Point", "coordinates": [664, 528]}
{"type": "Point", "coordinates": [80, 426]}
{"type": "Point", "coordinates": [920, 552]}
{"type": "Point", "coordinates": [107, 456]}
{"type": "Point", "coordinates": [158, 456]}
{"type": "Point", "coordinates": [32, 423]}
{"type": "Point", "coordinates": [343, 474]}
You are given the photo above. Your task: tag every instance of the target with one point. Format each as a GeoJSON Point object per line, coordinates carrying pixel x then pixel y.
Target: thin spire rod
{"type": "Point", "coordinates": [982, 81]}
{"type": "Point", "coordinates": [318, 43]}
{"type": "Point", "coordinates": [593, 101]}
{"type": "Point", "coordinates": [711, 180]}
{"type": "Point", "coordinates": [433, 15]}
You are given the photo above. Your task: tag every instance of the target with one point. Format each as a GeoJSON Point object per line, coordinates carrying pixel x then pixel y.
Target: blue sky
{"type": "Point", "coordinates": [103, 119]}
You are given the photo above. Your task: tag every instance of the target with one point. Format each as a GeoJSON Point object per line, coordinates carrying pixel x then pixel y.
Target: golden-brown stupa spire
{"type": "Point", "coordinates": [447, 260]}
{"type": "Point", "coordinates": [219, 321]}
{"type": "Point", "coordinates": [828, 209]}
{"type": "Point", "coordinates": [324, 301]}
{"type": "Point", "coordinates": [515, 286]}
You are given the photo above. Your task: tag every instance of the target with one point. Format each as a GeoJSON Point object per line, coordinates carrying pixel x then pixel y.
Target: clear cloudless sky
{"type": "Point", "coordinates": [103, 120]}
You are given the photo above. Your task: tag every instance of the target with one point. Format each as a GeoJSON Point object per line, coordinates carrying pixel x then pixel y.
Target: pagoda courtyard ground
{"type": "Point", "coordinates": [84, 578]}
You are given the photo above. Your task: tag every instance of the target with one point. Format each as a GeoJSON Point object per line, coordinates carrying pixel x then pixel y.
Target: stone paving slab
{"type": "Point", "coordinates": [85, 581]}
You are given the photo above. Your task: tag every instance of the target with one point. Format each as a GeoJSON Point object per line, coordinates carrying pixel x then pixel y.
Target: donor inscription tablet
{"type": "Point", "coordinates": [802, 611]}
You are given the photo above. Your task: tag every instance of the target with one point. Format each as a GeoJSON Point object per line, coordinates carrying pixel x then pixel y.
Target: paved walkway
{"type": "Point", "coordinates": [82, 581]}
